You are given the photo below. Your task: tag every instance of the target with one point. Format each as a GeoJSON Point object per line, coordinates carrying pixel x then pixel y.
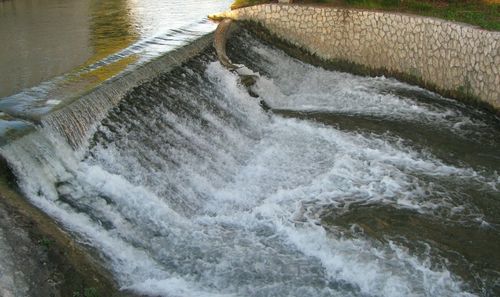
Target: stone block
{"type": "Point", "coordinates": [443, 53]}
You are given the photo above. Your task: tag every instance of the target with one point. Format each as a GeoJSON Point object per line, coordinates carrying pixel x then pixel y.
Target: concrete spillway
{"type": "Point", "coordinates": [180, 184]}
{"type": "Point", "coordinates": [188, 188]}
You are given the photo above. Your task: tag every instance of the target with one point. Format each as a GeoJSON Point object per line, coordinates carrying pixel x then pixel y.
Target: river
{"type": "Point", "coordinates": [349, 186]}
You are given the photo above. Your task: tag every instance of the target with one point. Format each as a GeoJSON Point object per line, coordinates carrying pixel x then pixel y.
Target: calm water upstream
{"type": "Point", "coordinates": [351, 186]}
{"type": "Point", "coordinates": [88, 41]}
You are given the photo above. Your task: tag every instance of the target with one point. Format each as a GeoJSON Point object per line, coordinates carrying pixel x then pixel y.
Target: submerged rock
{"type": "Point", "coordinates": [248, 80]}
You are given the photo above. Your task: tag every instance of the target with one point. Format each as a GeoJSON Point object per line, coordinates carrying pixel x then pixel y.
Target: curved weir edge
{"type": "Point", "coordinates": [75, 121]}
{"type": "Point", "coordinates": [75, 118]}
{"type": "Point", "coordinates": [220, 39]}
{"type": "Point", "coordinates": [453, 59]}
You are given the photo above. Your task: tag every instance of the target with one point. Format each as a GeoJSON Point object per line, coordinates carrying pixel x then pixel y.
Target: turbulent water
{"type": "Point", "coordinates": [352, 186]}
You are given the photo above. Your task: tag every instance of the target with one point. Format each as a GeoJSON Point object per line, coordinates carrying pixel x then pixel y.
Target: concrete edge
{"type": "Point", "coordinates": [461, 93]}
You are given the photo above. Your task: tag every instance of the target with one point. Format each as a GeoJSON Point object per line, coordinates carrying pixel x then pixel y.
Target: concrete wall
{"type": "Point", "coordinates": [452, 58]}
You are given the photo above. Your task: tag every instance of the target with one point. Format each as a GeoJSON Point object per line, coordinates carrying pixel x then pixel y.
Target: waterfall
{"type": "Point", "coordinates": [187, 187]}
{"type": "Point", "coordinates": [76, 120]}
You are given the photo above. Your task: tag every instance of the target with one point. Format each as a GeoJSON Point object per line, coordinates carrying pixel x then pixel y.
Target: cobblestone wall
{"type": "Point", "coordinates": [455, 59]}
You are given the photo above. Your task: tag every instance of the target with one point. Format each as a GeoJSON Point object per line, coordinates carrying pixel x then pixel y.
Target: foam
{"type": "Point", "coordinates": [294, 85]}
{"type": "Point", "coordinates": [196, 191]}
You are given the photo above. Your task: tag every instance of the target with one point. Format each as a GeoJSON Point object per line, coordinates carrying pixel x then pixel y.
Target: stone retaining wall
{"type": "Point", "coordinates": [454, 59]}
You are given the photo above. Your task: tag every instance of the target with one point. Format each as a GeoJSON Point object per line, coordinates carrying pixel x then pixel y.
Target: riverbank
{"type": "Point", "coordinates": [485, 14]}
{"type": "Point", "coordinates": [42, 260]}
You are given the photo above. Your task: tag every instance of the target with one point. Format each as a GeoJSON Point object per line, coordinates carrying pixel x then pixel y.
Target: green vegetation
{"type": "Point", "coordinates": [87, 292]}
{"type": "Point", "coordinates": [45, 242]}
{"type": "Point", "coordinates": [242, 3]}
{"type": "Point", "coordinates": [485, 14]}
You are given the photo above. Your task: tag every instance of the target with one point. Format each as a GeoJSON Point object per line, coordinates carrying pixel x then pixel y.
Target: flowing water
{"type": "Point", "coordinates": [351, 186]}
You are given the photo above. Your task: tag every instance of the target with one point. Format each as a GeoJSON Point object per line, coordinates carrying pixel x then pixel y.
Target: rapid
{"type": "Point", "coordinates": [349, 186]}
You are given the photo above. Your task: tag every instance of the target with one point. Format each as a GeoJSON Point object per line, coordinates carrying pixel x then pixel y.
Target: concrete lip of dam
{"type": "Point", "coordinates": [183, 186]}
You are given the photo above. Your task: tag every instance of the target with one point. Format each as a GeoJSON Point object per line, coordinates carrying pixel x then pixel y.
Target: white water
{"type": "Point", "coordinates": [207, 195]}
{"type": "Point", "coordinates": [295, 85]}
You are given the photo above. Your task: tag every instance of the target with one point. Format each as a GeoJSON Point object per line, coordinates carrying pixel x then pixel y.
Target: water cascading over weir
{"type": "Point", "coordinates": [175, 179]}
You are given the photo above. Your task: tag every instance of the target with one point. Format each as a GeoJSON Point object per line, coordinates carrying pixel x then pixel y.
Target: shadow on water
{"type": "Point", "coordinates": [469, 251]}
{"type": "Point", "coordinates": [468, 248]}
{"type": "Point", "coordinates": [477, 149]}
{"type": "Point", "coordinates": [465, 236]}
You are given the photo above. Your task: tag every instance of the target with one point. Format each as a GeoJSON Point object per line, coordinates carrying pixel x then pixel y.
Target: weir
{"type": "Point", "coordinates": [180, 184]}
{"type": "Point", "coordinates": [76, 120]}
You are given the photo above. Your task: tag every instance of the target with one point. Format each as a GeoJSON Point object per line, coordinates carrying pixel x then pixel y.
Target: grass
{"type": "Point", "coordinates": [243, 3]}
{"type": "Point", "coordinates": [485, 14]}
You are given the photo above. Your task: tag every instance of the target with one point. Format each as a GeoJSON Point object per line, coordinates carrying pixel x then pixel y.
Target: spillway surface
{"type": "Point", "coordinates": [352, 186]}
